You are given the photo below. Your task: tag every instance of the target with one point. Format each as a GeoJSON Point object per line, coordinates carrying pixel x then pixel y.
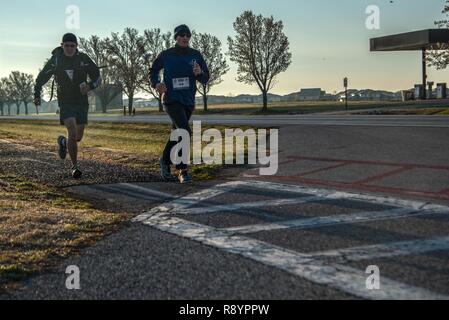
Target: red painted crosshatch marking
{"type": "Point", "coordinates": [362, 184]}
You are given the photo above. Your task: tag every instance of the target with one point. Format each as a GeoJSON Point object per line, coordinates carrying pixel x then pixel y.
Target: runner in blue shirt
{"type": "Point", "coordinates": [182, 67]}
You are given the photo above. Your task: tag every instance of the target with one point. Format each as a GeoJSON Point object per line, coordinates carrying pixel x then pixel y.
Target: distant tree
{"type": "Point", "coordinates": [261, 51]}
{"type": "Point", "coordinates": [124, 55]}
{"type": "Point", "coordinates": [3, 95]}
{"type": "Point", "coordinates": [154, 42]}
{"type": "Point", "coordinates": [96, 49]}
{"type": "Point", "coordinates": [8, 87]}
{"type": "Point", "coordinates": [23, 88]}
{"type": "Point", "coordinates": [210, 47]}
{"type": "Point", "coordinates": [14, 89]}
{"type": "Point", "coordinates": [439, 57]}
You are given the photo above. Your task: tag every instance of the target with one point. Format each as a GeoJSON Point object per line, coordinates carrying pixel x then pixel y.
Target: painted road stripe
{"type": "Point", "coordinates": [318, 222]}
{"type": "Point", "coordinates": [312, 267]}
{"type": "Point", "coordinates": [341, 277]}
{"type": "Point", "coordinates": [338, 195]}
{"type": "Point", "coordinates": [177, 206]}
{"type": "Point", "coordinates": [183, 205]}
{"type": "Point", "coordinates": [249, 205]}
{"type": "Point", "coordinates": [386, 250]}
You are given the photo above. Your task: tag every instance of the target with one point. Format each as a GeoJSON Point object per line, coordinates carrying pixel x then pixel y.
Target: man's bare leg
{"type": "Point", "coordinates": [80, 132]}
{"type": "Point", "coordinates": [72, 140]}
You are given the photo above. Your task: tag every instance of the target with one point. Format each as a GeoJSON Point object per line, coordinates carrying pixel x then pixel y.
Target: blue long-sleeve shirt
{"type": "Point", "coordinates": [177, 63]}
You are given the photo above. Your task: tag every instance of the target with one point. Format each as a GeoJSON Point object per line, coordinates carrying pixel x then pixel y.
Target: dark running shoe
{"type": "Point", "coordinates": [76, 172]}
{"type": "Point", "coordinates": [184, 177]}
{"type": "Point", "coordinates": [62, 143]}
{"type": "Point", "coordinates": [166, 172]}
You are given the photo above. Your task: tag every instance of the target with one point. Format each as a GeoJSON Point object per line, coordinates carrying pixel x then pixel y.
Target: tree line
{"type": "Point", "coordinates": [259, 48]}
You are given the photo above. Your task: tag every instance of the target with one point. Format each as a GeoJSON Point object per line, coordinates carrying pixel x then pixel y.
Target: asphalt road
{"type": "Point", "coordinates": [345, 198]}
{"type": "Point", "coordinates": [279, 120]}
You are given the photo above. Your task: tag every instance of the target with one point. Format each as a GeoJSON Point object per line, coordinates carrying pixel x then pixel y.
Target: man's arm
{"type": "Point", "coordinates": [204, 77]}
{"type": "Point", "coordinates": [94, 73]}
{"type": "Point", "coordinates": [43, 77]}
{"type": "Point", "coordinates": [155, 69]}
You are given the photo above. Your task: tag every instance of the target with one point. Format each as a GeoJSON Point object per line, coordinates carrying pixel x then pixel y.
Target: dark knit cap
{"type": "Point", "coordinates": [69, 37]}
{"type": "Point", "coordinates": [182, 29]}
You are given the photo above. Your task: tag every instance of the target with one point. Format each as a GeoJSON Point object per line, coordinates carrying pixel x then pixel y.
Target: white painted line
{"type": "Point", "coordinates": [338, 195]}
{"type": "Point", "coordinates": [183, 205]}
{"type": "Point", "coordinates": [179, 205]}
{"type": "Point", "coordinates": [386, 250]}
{"type": "Point", "coordinates": [312, 267]}
{"type": "Point", "coordinates": [249, 205]}
{"type": "Point", "coordinates": [146, 190]}
{"type": "Point", "coordinates": [318, 222]}
{"type": "Point", "coordinates": [344, 278]}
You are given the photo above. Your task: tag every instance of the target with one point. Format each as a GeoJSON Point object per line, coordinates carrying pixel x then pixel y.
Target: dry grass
{"type": "Point", "coordinates": [40, 225]}
{"type": "Point", "coordinates": [285, 107]}
{"type": "Point", "coordinates": [415, 112]}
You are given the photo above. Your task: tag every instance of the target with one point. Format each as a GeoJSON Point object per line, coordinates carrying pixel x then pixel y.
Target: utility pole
{"type": "Point", "coordinates": [345, 84]}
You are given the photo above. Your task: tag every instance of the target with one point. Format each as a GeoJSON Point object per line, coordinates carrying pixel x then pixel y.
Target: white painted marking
{"type": "Point", "coordinates": [181, 204]}
{"type": "Point", "coordinates": [318, 222]}
{"type": "Point", "coordinates": [344, 278]}
{"type": "Point", "coordinates": [249, 205]}
{"type": "Point", "coordinates": [386, 250]}
{"type": "Point", "coordinates": [312, 267]}
{"type": "Point", "coordinates": [338, 195]}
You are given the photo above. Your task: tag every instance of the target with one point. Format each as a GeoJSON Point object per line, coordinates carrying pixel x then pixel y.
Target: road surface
{"type": "Point", "coordinates": [352, 193]}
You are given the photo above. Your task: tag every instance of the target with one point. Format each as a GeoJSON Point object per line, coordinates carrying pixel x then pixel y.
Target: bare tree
{"type": "Point", "coordinates": [14, 89]}
{"type": "Point", "coordinates": [154, 42]}
{"type": "Point", "coordinates": [96, 49]}
{"type": "Point", "coordinates": [8, 87]}
{"type": "Point", "coordinates": [439, 57]}
{"type": "Point", "coordinates": [210, 47]}
{"type": "Point", "coordinates": [125, 57]}
{"type": "Point", "coordinates": [261, 51]}
{"type": "Point", "coordinates": [3, 95]}
{"type": "Point", "coordinates": [24, 88]}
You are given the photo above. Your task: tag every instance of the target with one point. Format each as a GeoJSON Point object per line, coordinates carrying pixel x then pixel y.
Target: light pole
{"type": "Point", "coordinates": [345, 84]}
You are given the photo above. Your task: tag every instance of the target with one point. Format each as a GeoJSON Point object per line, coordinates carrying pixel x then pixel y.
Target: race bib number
{"type": "Point", "coordinates": [181, 83]}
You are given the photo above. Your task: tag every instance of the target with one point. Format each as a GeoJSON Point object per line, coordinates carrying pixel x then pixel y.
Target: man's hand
{"type": "Point", "coordinates": [84, 89]}
{"type": "Point", "coordinates": [161, 88]}
{"type": "Point", "coordinates": [197, 70]}
{"type": "Point", "coordinates": [37, 101]}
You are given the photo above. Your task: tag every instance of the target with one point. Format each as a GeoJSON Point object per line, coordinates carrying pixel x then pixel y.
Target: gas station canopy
{"type": "Point", "coordinates": [422, 40]}
{"type": "Point", "coordinates": [417, 40]}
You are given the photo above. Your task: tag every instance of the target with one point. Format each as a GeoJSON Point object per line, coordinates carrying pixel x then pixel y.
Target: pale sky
{"type": "Point", "coordinates": [328, 38]}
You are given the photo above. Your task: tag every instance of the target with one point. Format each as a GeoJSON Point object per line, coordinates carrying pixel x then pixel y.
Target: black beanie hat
{"type": "Point", "coordinates": [69, 37]}
{"type": "Point", "coordinates": [182, 29]}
